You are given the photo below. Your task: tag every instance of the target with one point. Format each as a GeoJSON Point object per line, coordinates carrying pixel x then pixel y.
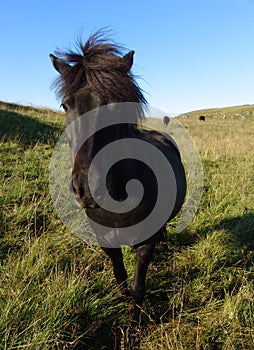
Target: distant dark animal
{"type": "Point", "coordinates": [202, 118]}
{"type": "Point", "coordinates": [99, 76]}
{"type": "Point", "coordinates": [166, 120]}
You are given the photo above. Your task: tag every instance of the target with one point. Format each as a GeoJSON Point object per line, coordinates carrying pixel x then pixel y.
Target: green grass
{"type": "Point", "coordinates": [56, 292]}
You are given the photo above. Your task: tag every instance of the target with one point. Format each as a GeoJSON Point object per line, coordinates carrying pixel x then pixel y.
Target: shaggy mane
{"type": "Point", "coordinates": [98, 64]}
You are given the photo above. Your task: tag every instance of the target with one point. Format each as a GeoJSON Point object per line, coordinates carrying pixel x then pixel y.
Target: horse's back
{"type": "Point", "coordinates": [160, 140]}
{"type": "Point", "coordinates": [170, 150]}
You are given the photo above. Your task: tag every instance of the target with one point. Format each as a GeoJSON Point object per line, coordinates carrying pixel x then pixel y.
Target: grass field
{"type": "Point", "coordinates": [56, 292]}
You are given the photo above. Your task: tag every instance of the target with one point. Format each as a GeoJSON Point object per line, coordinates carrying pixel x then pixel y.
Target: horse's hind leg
{"type": "Point", "coordinates": [116, 256]}
{"type": "Point", "coordinates": [144, 254]}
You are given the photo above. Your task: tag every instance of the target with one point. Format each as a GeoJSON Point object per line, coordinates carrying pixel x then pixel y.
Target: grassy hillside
{"type": "Point", "coordinates": [246, 111]}
{"type": "Point", "coordinates": [56, 292]}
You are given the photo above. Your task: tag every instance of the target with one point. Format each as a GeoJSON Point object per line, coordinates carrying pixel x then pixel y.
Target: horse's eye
{"type": "Point", "coordinates": [64, 107]}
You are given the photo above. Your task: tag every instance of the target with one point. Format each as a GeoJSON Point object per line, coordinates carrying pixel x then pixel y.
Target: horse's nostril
{"type": "Point", "coordinates": [77, 188]}
{"type": "Point", "coordinates": [74, 187]}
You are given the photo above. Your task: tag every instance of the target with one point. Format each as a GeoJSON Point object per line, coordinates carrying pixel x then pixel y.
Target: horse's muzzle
{"type": "Point", "coordinates": [81, 199]}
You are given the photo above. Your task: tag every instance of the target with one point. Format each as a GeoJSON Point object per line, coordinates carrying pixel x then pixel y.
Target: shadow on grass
{"type": "Point", "coordinates": [26, 130]}
{"type": "Point", "coordinates": [101, 334]}
{"type": "Point", "coordinates": [162, 281]}
{"type": "Point", "coordinates": [109, 334]}
{"type": "Point", "coordinates": [240, 228]}
{"type": "Point", "coordinates": [105, 337]}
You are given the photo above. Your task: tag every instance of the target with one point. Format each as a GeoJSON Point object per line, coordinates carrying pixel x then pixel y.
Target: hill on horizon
{"type": "Point", "coordinates": [243, 111]}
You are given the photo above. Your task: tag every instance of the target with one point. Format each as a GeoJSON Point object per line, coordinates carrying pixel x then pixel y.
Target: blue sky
{"type": "Point", "coordinates": [189, 54]}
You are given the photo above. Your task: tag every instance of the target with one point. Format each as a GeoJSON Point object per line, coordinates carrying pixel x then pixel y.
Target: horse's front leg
{"type": "Point", "coordinates": [144, 255]}
{"type": "Point", "coordinates": [116, 256]}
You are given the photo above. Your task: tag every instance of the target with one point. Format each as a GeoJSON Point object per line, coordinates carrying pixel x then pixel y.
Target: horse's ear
{"type": "Point", "coordinates": [128, 60]}
{"type": "Point", "coordinates": [58, 64]}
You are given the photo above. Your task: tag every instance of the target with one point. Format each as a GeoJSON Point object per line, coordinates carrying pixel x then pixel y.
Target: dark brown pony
{"type": "Point", "coordinates": [99, 77]}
